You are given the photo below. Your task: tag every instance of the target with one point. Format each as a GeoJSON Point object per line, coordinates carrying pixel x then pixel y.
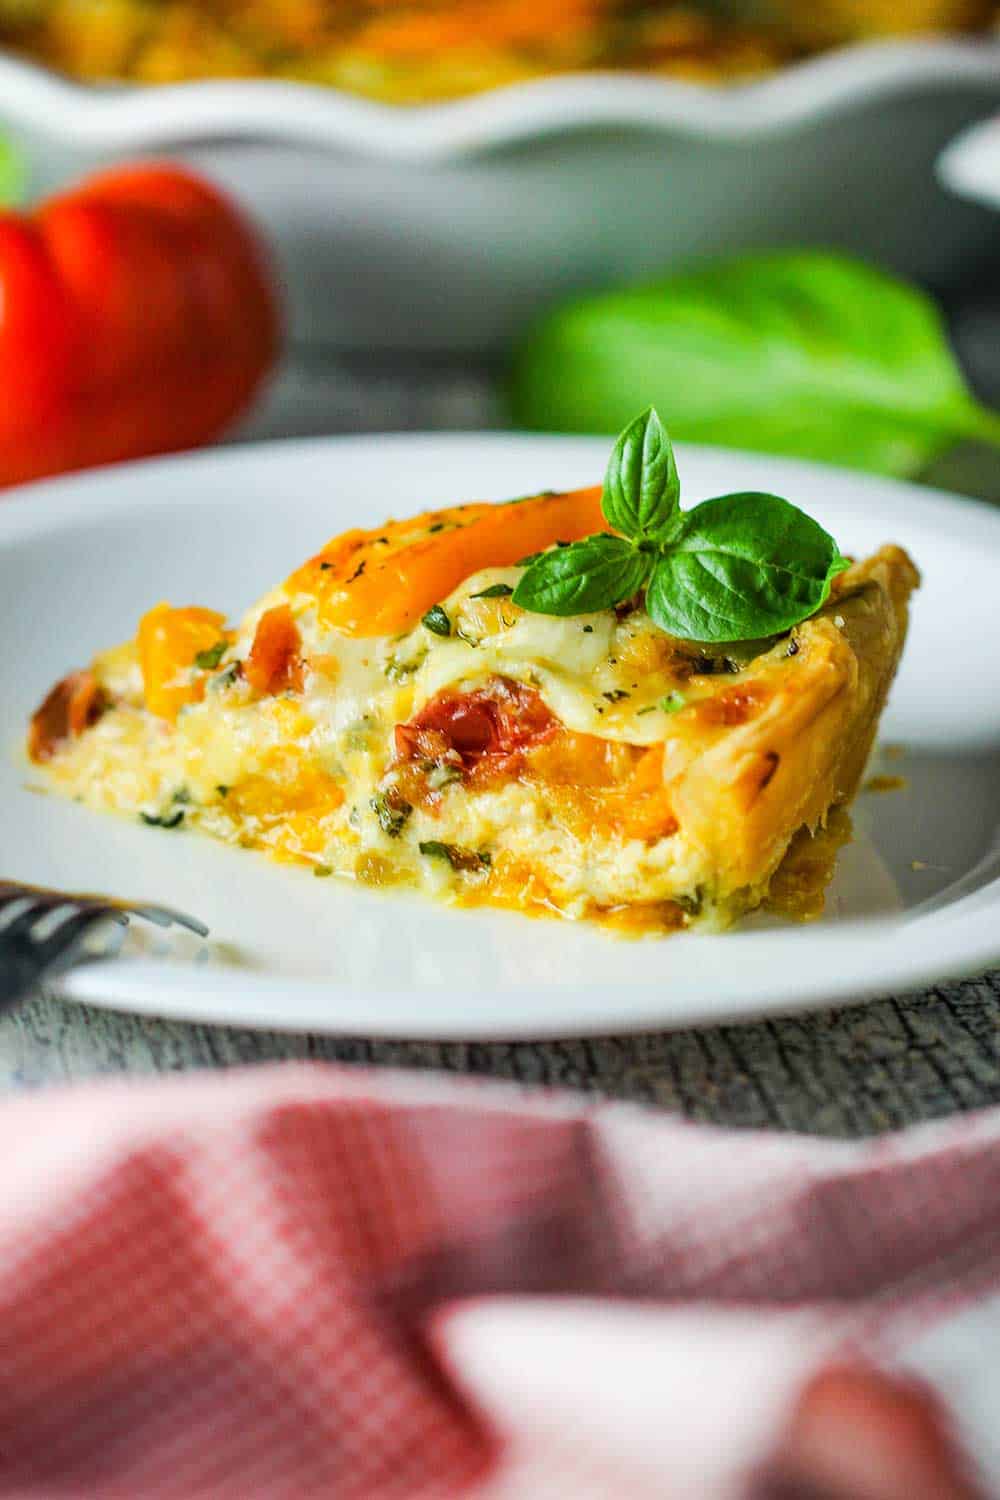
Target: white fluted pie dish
{"type": "Point", "coordinates": [449, 227]}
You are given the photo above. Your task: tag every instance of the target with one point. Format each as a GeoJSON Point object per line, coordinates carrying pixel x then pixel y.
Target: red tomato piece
{"type": "Point", "coordinates": [71, 707]}
{"type": "Point", "coordinates": [275, 664]}
{"type": "Point", "coordinates": [499, 720]}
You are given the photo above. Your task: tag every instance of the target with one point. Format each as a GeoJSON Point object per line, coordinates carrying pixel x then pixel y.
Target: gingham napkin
{"type": "Point", "coordinates": [314, 1281]}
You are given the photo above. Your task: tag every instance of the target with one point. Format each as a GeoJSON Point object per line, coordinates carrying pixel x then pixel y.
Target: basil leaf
{"type": "Point", "coordinates": [436, 621]}
{"type": "Point", "coordinates": [799, 352]}
{"type": "Point", "coordinates": [641, 495]}
{"type": "Point", "coordinates": [495, 590]}
{"type": "Point", "coordinates": [596, 573]}
{"type": "Point", "coordinates": [744, 566]}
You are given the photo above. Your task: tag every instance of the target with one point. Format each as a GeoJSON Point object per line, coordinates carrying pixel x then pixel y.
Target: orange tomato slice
{"type": "Point", "coordinates": [168, 641]}
{"type": "Point", "coordinates": [380, 582]}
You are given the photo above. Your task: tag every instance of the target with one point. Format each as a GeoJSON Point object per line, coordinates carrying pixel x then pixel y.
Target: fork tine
{"type": "Point", "coordinates": [39, 900]}
{"type": "Point", "coordinates": [151, 914]}
{"type": "Point", "coordinates": [113, 913]}
{"type": "Point", "coordinates": [22, 925]}
{"type": "Point", "coordinates": [163, 916]}
{"type": "Point", "coordinates": [24, 963]}
{"type": "Point", "coordinates": [25, 960]}
{"type": "Point", "coordinates": [63, 942]}
{"type": "Point", "coordinates": [45, 900]}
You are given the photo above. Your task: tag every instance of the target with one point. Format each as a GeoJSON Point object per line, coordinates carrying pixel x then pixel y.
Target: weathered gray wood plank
{"type": "Point", "coordinates": [839, 1073]}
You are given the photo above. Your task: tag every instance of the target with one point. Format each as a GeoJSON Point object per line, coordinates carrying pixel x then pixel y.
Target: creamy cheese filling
{"type": "Point", "coordinates": [756, 742]}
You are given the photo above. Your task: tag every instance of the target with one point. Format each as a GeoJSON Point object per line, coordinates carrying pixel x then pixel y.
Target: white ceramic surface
{"type": "Point", "coordinates": [916, 897]}
{"type": "Point", "coordinates": [450, 227]}
{"type": "Point", "coordinates": [970, 165]}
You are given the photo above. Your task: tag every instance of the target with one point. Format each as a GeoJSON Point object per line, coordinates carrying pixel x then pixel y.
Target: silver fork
{"type": "Point", "coordinates": [43, 932]}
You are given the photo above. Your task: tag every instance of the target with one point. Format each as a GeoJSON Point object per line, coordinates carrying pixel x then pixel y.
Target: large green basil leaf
{"type": "Point", "coordinates": [799, 352]}
{"type": "Point", "coordinates": [641, 489]}
{"type": "Point", "coordinates": [597, 573]}
{"type": "Point", "coordinates": [744, 566]}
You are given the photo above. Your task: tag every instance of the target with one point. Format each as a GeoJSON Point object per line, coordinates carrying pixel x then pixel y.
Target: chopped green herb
{"type": "Point", "coordinates": [433, 849]}
{"type": "Point", "coordinates": [459, 859]}
{"type": "Point", "coordinates": [357, 736]}
{"type": "Point", "coordinates": [358, 570]}
{"type": "Point", "coordinates": [226, 679]}
{"type": "Point", "coordinates": [168, 820]}
{"type": "Point", "coordinates": [325, 566]}
{"type": "Point", "coordinates": [495, 591]}
{"type": "Point", "coordinates": [615, 695]}
{"type": "Point", "coordinates": [649, 709]}
{"type": "Point", "coordinates": [672, 703]}
{"type": "Point", "coordinates": [440, 776]}
{"type": "Point", "coordinates": [691, 905]}
{"type": "Point", "coordinates": [399, 671]}
{"type": "Point", "coordinates": [436, 621]}
{"type": "Point", "coordinates": [222, 790]}
{"type": "Point", "coordinates": [322, 871]}
{"type": "Point", "coordinates": [588, 630]}
{"type": "Point", "coordinates": [391, 811]}
{"type": "Point", "coordinates": [539, 495]}
{"type": "Point", "coordinates": [209, 660]}
{"type": "Point", "coordinates": [438, 526]}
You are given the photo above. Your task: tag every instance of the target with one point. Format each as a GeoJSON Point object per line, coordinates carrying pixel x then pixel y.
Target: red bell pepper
{"type": "Point", "coordinates": [137, 316]}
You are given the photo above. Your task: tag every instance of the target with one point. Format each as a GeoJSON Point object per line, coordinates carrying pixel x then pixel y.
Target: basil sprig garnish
{"type": "Point", "coordinates": [642, 492]}
{"type": "Point", "coordinates": [732, 569]}
{"type": "Point", "coordinates": [585, 576]}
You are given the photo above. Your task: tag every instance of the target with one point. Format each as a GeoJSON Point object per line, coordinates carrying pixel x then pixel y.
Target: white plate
{"type": "Point", "coordinates": [970, 165]}
{"type": "Point", "coordinates": [81, 558]}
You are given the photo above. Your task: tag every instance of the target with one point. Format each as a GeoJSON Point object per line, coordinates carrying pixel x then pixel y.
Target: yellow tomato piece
{"type": "Point", "coordinates": [168, 642]}
{"type": "Point", "coordinates": [604, 785]}
{"type": "Point", "coordinates": [381, 582]}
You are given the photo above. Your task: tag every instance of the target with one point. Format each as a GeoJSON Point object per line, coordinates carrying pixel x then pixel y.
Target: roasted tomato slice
{"type": "Point", "coordinates": [492, 724]}
{"type": "Point", "coordinates": [72, 706]}
{"type": "Point", "coordinates": [275, 663]}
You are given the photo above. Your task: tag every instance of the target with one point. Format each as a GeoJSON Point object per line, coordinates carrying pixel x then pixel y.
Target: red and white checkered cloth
{"type": "Point", "coordinates": [313, 1281]}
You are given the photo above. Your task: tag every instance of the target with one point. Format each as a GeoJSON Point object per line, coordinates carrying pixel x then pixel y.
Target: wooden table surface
{"type": "Point", "coordinates": [848, 1072]}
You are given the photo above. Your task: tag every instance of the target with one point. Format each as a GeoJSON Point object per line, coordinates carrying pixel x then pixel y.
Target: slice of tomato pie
{"type": "Point", "coordinates": [391, 715]}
